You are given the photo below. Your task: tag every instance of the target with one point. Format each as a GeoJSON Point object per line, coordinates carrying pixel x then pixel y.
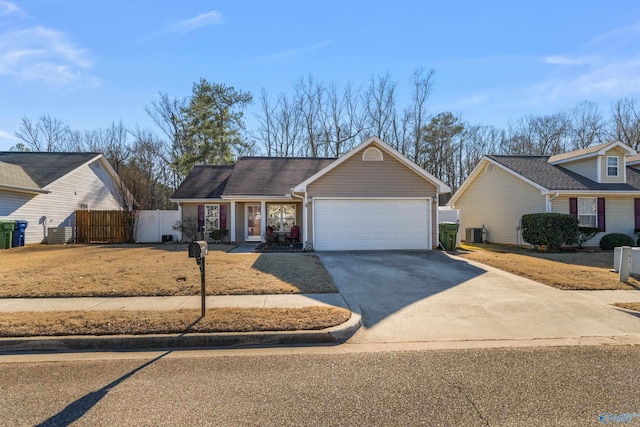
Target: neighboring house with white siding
{"type": "Point", "coordinates": [372, 197]}
{"type": "Point", "coordinates": [599, 185]}
{"type": "Point", "coordinates": [46, 189]}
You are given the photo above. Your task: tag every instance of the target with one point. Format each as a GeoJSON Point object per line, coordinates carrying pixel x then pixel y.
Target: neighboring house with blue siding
{"type": "Point", "coordinates": [46, 189]}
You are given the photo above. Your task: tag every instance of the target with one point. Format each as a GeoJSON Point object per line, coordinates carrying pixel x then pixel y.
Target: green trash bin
{"type": "Point", "coordinates": [6, 230]}
{"type": "Point", "coordinates": [448, 235]}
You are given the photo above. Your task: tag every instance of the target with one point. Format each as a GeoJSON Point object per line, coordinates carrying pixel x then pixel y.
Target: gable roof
{"type": "Point", "coordinates": [441, 186]}
{"type": "Point", "coordinates": [45, 168]}
{"type": "Point", "coordinates": [556, 178]}
{"type": "Point", "coordinates": [203, 182]}
{"type": "Point", "coordinates": [14, 178]}
{"type": "Point", "coordinates": [594, 150]}
{"type": "Point", "coordinates": [272, 176]}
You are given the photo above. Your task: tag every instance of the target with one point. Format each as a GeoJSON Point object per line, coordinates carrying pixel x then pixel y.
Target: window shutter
{"type": "Point", "coordinates": [223, 217]}
{"type": "Point", "coordinates": [602, 225]}
{"type": "Point", "coordinates": [200, 217]}
{"type": "Point", "coordinates": [573, 207]}
{"type": "Point", "coordinates": [636, 203]}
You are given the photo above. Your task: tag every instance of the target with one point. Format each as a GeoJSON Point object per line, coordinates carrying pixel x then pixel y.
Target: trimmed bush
{"type": "Point", "coordinates": [613, 240]}
{"type": "Point", "coordinates": [585, 234]}
{"type": "Point", "coordinates": [552, 230]}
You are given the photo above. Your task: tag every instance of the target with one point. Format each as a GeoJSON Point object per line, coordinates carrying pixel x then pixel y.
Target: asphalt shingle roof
{"type": "Point", "coordinates": [44, 168]}
{"type": "Point", "coordinates": [15, 176]}
{"type": "Point", "coordinates": [204, 182]}
{"type": "Point", "coordinates": [539, 170]}
{"type": "Point", "coordinates": [272, 176]}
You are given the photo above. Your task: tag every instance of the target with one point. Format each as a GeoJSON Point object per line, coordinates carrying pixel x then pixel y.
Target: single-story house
{"type": "Point", "coordinates": [372, 197]}
{"type": "Point", "coordinates": [45, 189]}
{"type": "Point", "coordinates": [600, 185]}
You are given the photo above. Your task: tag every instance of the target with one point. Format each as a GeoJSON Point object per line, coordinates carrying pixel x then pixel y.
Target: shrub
{"type": "Point", "coordinates": [188, 227]}
{"type": "Point", "coordinates": [585, 234]}
{"type": "Point", "coordinates": [218, 235]}
{"type": "Point", "coordinates": [552, 230]}
{"type": "Point", "coordinates": [613, 240]}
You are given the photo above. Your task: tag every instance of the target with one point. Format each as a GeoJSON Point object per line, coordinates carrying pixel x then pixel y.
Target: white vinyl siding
{"type": "Point", "coordinates": [498, 200]}
{"type": "Point", "coordinates": [89, 184]}
{"type": "Point", "coordinates": [619, 215]}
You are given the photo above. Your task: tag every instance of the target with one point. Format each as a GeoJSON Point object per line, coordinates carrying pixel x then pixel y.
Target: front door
{"type": "Point", "coordinates": [254, 222]}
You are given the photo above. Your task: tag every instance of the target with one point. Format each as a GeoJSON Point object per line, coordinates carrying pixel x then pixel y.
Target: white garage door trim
{"type": "Point", "coordinates": [342, 231]}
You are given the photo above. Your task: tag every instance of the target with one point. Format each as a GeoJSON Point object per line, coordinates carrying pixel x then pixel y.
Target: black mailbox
{"type": "Point", "coordinates": [198, 249]}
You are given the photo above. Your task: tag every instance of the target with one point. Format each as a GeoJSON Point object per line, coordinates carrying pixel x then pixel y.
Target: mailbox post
{"type": "Point", "coordinates": [199, 249]}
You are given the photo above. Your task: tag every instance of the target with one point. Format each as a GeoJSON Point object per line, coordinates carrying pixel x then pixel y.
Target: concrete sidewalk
{"type": "Point", "coordinates": [170, 303]}
{"type": "Point", "coordinates": [334, 335]}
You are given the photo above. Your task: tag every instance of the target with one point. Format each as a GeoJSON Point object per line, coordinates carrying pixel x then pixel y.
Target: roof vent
{"type": "Point", "coordinates": [372, 154]}
{"type": "Point", "coordinates": [489, 168]}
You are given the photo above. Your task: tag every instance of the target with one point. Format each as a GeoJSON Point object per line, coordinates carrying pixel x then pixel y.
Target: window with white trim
{"type": "Point", "coordinates": [212, 217]}
{"type": "Point", "coordinates": [612, 165]}
{"type": "Point", "coordinates": [281, 217]}
{"type": "Point", "coordinates": [588, 211]}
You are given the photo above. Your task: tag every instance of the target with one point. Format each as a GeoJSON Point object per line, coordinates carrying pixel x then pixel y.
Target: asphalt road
{"type": "Point", "coordinates": [333, 386]}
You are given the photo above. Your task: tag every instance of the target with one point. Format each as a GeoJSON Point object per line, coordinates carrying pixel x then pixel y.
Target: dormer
{"type": "Point", "coordinates": [604, 163]}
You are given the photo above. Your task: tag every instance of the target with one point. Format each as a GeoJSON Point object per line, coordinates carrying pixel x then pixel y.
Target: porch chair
{"type": "Point", "coordinates": [294, 234]}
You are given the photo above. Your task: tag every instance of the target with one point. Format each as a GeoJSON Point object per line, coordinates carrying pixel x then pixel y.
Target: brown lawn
{"type": "Point", "coordinates": [145, 270]}
{"type": "Point", "coordinates": [23, 324]}
{"type": "Point", "coordinates": [563, 270]}
{"type": "Point", "coordinates": [635, 306]}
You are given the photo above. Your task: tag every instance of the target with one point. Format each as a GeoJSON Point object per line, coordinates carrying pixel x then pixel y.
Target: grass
{"type": "Point", "coordinates": [62, 323]}
{"type": "Point", "coordinates": [635, 306]}
{"type": "Point", "coordinates": [148, 270]}
{"type": "Point", "coordinates": [563, 270]}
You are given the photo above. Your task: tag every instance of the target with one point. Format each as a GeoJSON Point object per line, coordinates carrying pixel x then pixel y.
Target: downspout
{"type": "Point", "coordinates": [304, 218]}
{"type": "Point", "coordinates": [549, 200]}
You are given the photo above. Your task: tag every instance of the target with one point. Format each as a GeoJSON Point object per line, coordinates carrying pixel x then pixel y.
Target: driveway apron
{"type": "Point", "coordinates": [417, 296]}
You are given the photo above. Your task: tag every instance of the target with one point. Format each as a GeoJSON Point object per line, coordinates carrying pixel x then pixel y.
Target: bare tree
{"type": "Point", "coordinates": [48, 134]}
{"type": "Point", "coordinates": [310, 98]}
{"type": "Point", "coordinates": [539, 135]}
{"type": "Point", "coordinates": [587, 125]}
{"type": "Point", "coordinates": [379, 103]}
{"type": "Point", "coordinates": [422, 84]}
{"type": "Point", "coordinates": [342, 120]}
{"type": "Point", "coordinates": [626, 122]}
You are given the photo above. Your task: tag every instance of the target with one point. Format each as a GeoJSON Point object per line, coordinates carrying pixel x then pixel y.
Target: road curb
{"type": "Point", "coordinates": [334, 335]}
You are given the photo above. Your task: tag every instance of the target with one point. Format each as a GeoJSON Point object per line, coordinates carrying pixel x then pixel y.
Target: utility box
{"type": "Point", "coordinates": [198, 249]}
{"type": "Point", "coordinates": [473, 235]}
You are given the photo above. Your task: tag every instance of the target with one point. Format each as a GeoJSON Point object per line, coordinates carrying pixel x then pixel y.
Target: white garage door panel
{"type": "Point", "coordinates": [371, 224]}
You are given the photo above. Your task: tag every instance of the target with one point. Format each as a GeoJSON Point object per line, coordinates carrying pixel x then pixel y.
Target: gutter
{"type": "Point", "coordinates": [304, 216]}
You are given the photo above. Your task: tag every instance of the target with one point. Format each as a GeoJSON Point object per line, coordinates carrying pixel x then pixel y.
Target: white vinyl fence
{"type": "Point", "coordinates": [151, 226]}
{"type": "Point", "coordinates": [446, 214]}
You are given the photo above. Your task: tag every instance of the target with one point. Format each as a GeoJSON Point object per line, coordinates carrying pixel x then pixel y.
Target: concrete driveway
{"type": "Point", "coordinates": [431, 296]}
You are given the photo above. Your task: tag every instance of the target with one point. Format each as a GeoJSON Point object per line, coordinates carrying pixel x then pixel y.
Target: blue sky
{"type": "Point", "coordinates": [89, 63]}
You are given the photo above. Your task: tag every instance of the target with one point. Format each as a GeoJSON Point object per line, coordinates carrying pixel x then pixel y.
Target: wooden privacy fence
{"type": "Point", "coordinates": [104, 226]}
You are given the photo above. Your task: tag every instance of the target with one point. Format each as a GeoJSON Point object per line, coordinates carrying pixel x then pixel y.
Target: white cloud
{"type": "Point", "coordinates": [44, 55]}
{"type": "Point", "coordinates": [568, 60]}
{"type": "Point", "coordinates": [202, 20]}
{"type": "Point", "coordinates": [7, 135]}
{"type": "Point", "coordinates": [622, 35]}
{"type": "Point", "coordinates": [610, 78]}
{"type": "Point", "coordinates": [297, 51]}
{"type": "Point", "coordinates": [7, 8]}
